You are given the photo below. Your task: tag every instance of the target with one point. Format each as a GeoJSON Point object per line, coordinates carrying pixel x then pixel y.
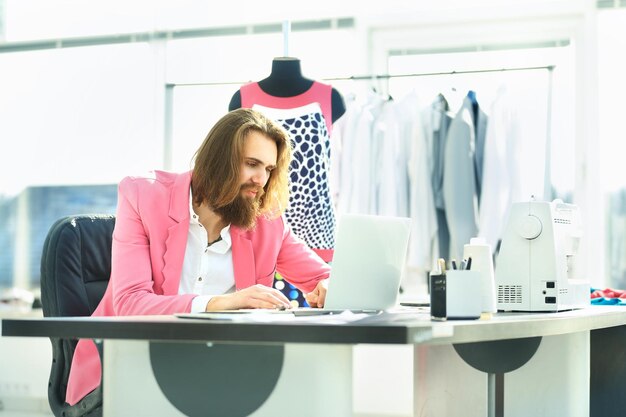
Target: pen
{"type": "Point", "coordinates": [442, 265]}
{"type": "Point", "coordinates": [453, 262]}
{"type": "Point", "coordinates": [469, 263]}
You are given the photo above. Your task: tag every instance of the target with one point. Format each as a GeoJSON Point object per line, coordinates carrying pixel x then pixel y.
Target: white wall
{"type": "Point", "coordinates": [76, 116]}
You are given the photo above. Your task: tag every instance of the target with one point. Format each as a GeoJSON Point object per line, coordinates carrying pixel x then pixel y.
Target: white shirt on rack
{"type": "Point", "coordinates": [361, 157]}
{"type": "Point", "coordinates": [502, 172]}
{"type": "Point", "coordinates": [207, 269]}
{"type": "Point", "coordinates": [421, 204]}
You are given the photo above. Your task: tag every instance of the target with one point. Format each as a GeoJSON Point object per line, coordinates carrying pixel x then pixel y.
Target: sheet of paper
{"type": "Point", "coordinates": [262, 316]}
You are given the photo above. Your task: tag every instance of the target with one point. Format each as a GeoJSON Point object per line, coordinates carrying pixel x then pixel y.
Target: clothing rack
{"type": "Point", "coordinates": [379, 76]}
{"type": "Point", "coordinates": [169, 99]}
{"type": "Point", "coordinates": [547, 180]}
{"type": "Point", "coordinates": [423, 74]}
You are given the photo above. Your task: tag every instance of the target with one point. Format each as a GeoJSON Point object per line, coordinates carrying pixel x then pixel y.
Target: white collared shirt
{"type": "Point", "coordinates": [207, 270]}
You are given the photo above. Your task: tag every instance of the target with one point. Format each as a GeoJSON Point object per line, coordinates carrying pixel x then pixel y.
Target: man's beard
{"type": "Point", "coordinates": [243, 211]}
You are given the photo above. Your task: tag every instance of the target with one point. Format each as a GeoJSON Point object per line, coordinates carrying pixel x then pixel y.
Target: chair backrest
{"type": "Point", "coordinates": [75, 271]}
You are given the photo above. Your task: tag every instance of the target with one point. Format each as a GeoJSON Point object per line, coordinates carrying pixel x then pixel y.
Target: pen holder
{"type": "Point", "coordinates": [455, 295]}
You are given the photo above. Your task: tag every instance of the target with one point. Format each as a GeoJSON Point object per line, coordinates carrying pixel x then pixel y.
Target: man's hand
{"type": "Point", "coordinates": [257, 296]}
{"type": "Point", "coordinates": [317, 297]}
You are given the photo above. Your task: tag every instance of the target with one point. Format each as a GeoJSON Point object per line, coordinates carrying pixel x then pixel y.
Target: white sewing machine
{"type": "Point", "coordinates": [535, 268]}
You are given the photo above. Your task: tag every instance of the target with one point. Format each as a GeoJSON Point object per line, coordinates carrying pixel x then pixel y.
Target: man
{"type": "Point", "coordinates": [209, 239]}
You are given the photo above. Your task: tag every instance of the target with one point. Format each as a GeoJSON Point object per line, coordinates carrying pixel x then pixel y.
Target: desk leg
{"type": "Point", "coordinates": [495, 395]}
{"type": "Point", "coordinates": [315, 380]}
{"type": "Point", "coordinates": [491, 395]}
{"type": "Point", "coordinates": [608, 372]}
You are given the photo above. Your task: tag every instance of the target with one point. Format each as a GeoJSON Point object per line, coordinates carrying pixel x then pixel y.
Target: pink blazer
{"type": "Point", "coordinates": [149, 241]}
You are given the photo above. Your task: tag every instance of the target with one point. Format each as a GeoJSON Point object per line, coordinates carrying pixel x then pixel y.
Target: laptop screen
{"type": "Point", "coordinates": [368, 263]}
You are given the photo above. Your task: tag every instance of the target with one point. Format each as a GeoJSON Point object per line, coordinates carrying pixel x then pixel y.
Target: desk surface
{"type": "Point", "coordinates": [402, 327]}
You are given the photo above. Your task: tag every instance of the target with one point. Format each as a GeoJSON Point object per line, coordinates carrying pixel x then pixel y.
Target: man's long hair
{"type": "Point", "coordinates": [217, 163]}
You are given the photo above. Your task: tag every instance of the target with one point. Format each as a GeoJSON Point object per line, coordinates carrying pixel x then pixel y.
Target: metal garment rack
{"type": "Point", "coordinates": [169, 103]}
{"type": "Point", "coordinates": [426, 74]}
{"type": "Point", "coordinates": [378, 76]}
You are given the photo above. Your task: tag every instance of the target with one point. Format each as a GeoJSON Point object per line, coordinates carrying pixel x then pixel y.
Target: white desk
{"type": "Point", "coordinates": [308, 367]}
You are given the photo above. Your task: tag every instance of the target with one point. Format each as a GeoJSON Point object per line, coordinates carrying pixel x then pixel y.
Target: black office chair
{"type": "Point", "coordinates": [75, 270]}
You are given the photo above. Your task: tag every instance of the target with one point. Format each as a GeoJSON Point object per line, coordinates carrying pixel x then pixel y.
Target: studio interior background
{"type": "Point", "coordinates": [93, 91]}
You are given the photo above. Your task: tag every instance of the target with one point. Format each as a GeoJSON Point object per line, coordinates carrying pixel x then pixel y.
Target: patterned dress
{"type": "Point", "coordinates": [308, 119]}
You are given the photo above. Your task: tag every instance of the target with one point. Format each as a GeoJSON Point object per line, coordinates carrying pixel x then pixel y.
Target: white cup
{"type": "Point", "coordinates": [482, 262]}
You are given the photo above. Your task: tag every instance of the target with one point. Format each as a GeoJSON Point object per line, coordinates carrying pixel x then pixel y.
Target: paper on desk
{"type": "Point", "coordinates": [268, 317]}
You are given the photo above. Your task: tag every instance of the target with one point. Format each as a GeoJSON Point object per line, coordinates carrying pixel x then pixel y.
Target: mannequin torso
{"type": "Point", "coordinates": [286, 80]}
{"type": "Point", "coordinates": [307, 110]}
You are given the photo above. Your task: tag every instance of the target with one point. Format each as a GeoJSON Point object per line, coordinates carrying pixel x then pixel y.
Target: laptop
{"type": "Point", "coordinates": [366, 271]}
{"type": "Point", "coordinates": [368, 263]}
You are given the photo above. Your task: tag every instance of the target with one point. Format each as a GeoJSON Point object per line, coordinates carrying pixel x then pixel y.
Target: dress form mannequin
{"type": "Point", "coordinates": [307, 109]}
{"type": "Point", "coordinates": [286, 80]}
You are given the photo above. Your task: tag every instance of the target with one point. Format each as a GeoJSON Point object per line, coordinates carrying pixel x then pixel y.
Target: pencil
{"type": "Point", "coordinates": [442, 265]}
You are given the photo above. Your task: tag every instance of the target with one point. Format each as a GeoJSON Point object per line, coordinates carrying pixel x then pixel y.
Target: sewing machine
{"type": "Point", "coordinates": [535, 265]}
